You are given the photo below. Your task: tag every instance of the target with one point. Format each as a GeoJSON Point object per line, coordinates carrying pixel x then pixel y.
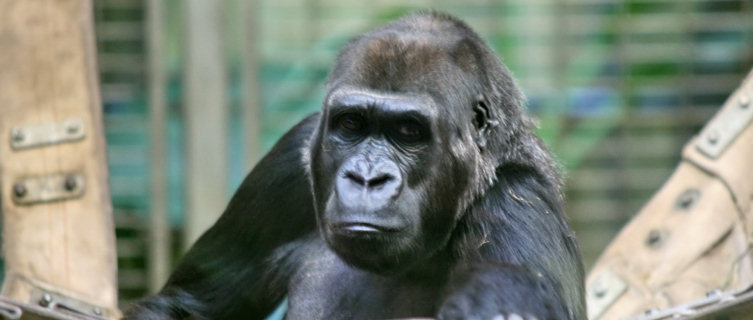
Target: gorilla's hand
{"type": "Point", "coordinates": [500, 292]}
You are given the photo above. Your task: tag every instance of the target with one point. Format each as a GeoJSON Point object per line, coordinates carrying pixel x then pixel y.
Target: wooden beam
{"type": "Point", "coordinates": [252, 97]}
{"type": "Point", "coordinates": [62, 247]}
{"type": "Point", "coordinates": [159, 229]}
{"type": "Point", "coordinates": [206, 115]}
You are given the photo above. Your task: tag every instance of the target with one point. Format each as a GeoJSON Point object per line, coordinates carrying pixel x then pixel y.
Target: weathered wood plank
{"type": "Point", "coordinates": [47, 75]}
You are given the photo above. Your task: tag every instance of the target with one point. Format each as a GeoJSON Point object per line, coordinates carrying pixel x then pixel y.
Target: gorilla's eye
{"type": "Point", "coordinates": [350, 122]}
{"type": "Point", "coordinates": [409, 130]}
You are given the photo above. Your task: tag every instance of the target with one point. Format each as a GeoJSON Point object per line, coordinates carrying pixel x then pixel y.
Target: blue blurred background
{"type": "Point", "coordinates": [618, 86]}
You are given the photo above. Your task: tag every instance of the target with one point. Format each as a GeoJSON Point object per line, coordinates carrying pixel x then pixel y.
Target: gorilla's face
{"type": "Point", "coordinates": [386, 190]}
{"type": "Point", "coordinates": [394, 163]}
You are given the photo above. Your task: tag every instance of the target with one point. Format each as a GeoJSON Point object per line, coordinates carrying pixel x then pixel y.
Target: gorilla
{"type": "Point", "coordinates": [419, 190]}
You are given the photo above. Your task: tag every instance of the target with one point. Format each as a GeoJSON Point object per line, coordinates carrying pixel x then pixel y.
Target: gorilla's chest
{"type": "Point", "coordinates": [327, 288]}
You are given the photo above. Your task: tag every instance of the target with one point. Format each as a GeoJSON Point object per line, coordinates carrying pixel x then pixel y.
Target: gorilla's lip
{"type": "Point", "coordinates": [364, 228]}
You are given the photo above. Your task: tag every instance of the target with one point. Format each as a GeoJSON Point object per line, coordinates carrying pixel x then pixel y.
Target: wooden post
{"type": "Point", "coordinates": [252, 96]}
{"type": "Point", "coordinates": [206, 117]}
{"type": "Point", "coordinates": [159, 230]}
{"type": "Point", "coordinates": [58, 234]}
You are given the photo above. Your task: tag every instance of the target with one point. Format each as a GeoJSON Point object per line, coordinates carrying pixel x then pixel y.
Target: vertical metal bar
{"type": "Point", "coordinates": [159, 230]}
{"type": "Point", "coordinates": [252, 99]}
{"type": "Point", "coordinates": [206, 116]}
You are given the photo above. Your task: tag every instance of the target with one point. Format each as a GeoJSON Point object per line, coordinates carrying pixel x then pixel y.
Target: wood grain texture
{"type": "Point", "coordinates": [47, 75]}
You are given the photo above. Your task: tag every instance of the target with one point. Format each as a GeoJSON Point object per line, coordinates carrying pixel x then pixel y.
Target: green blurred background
{"type": "Point", "coordinates": [618, 87]}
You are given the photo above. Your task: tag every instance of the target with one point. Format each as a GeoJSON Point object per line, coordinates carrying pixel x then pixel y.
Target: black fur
{"type": "Point", "coordinates": [420, 190]}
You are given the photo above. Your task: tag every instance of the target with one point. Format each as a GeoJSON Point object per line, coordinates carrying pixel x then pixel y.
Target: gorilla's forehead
{"type": "Point", "coordinates": [423, 62]}
{"type": "Point", "coordinates": [403, 57]}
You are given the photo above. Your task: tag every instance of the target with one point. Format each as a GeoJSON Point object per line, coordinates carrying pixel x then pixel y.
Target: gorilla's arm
{"type": "Point", "coordinates": [239, 267]}
{"type": "Point", "coordinates": [522, 257]}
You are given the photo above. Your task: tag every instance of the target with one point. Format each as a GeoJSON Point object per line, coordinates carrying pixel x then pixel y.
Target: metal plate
{"type": "Point", "coordinates": [10, 311]}
{"type": "Point", "coordinates": [729, 305]}
{"type": "Point", "coordinates": [735, 116]}
{"type": "Point", "coordinates": [48, 188]}
{"type": "Point", "coordinates": [32, 136]}
{"type": "Point", "coordinates": [602, 292]}
{"type": "Point", "coordinates": [62, 303]}
{"type": "Point", "coordinates": [33, 311]}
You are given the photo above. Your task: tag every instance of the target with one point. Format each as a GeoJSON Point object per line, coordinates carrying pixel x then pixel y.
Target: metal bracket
{"type": "Point", "coordinates": [65, 304]}
{"type": "Point", "coordinates": [26, 137]}
{"type": "Point", "coordinates": [602, 292]}
{"type": "Point", "coordinates": [48, 188]}
{"type": "Point", "coordinates": [732, 120]}
{"type": "Point", "coordinates": [10, 311]}
{"type": "Point", "coordinates": [716, 305]}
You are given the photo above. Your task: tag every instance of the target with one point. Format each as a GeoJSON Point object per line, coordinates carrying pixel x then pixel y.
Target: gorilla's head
{"type": "Point", "coordinates": [419, 113]}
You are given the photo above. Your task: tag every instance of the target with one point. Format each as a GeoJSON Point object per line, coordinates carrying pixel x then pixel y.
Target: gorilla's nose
{"type": "Point", "coordinates": [368, 188]}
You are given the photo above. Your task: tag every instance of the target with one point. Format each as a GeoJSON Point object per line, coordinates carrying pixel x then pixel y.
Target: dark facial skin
{"type": "Point", "coordinates": [420, 190]}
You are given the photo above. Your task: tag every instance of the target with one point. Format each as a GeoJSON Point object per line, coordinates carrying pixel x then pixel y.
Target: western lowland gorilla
{"type": "Point", "coordinates": [419, 190]}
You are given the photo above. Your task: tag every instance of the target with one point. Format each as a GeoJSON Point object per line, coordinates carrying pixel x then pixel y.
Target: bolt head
{"type": "Point", "coordinates": [713, 136]}
{"type": "Point", "coordinates": [654, 238]}
{"type": "Point", "coordinates": [17, 135]}
{"type": "Point", "coordinates": [600, 291]}
{"type": "Point", "coordinates": [744, 101]}
{"type": "Point", "coordinates": [46, 300]}
{"type": "Point", "coordinates": [72, 128]}
{"type": "Point", "coordinates": [70, 183]}
{"type": "Point", "coordinates": [19, 189]}
{"type": "Point", "coordinates": [714, 293]}
{"type": "Point", "coordinates": [687, 199]}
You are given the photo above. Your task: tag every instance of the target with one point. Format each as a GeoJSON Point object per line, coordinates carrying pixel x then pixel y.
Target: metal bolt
{"type": "Point", "coordinates": [655, 238]}
{"type": "Point", "coordinates": [687, 199]}
{"type": "Point", "coordinates": [599, 289]}
{"type": "Point", "coordinates": [744, 101]}
{"type": "Point", "coordinates": [46, 300]}
{"type": "Point", "coordinates": [713, 136]}
{"type": "Point", "coordinates": [70, 183]}
{"type": "Point", "coordinates": [713, 293]}
{"type": "Point", "coordinates": [17, 135]}
{"type": "Point", "coordinates": [73, 127]}
{"type": "Point", "coordinates": [98, 311]}
{"type": "Point", "coordinates": [19, 189]}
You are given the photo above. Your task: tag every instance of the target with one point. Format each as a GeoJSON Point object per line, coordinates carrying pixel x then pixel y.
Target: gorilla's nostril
{"type": "Point", "coordinates": [378, 181]}
{"type": "Point", "coordinates": [355, 178]}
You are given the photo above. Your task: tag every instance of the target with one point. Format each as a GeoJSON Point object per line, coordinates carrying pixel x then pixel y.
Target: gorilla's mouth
{"type": "Point", "coordinates": [377, 247]}
{"type": "Point", "coordinates": [362, 229]}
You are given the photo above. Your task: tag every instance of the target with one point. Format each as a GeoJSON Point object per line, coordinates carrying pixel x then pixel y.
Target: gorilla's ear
{"type": "Point", "coordinates": [482, 121]}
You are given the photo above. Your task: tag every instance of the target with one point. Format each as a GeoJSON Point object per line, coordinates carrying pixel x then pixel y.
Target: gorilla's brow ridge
{"type": "Point", "coordinates": [418, 102]}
